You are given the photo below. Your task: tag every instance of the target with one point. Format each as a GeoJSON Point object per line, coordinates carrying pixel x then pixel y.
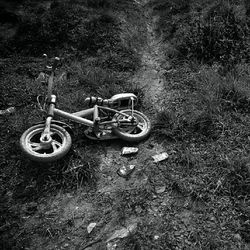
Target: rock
{"type": "Point", "coordinates": [160, 190]}
{"type": "Point", "coordinates": [125, 171]}
{"type": "Point", "coordinates": [156, 237]}
{"type": "Point", "coordinates": [132, 227]}
{"type": "Point", "coordinates": [129, 150]}
{"type": "Point", "coordinates": [90, 227]}
{"type": "Point", "coordinates": [111, 246]}
{"type": "Point", "coordinates": [160, 157]}
{"type": "Point", "coordinates": [237, 237]}
{"type": "Point", "coordinates": [122, 233]}
{"type": "Point", "coordinates": [138, 209]}
{"type": "Point", "coordinates": [9, 110]}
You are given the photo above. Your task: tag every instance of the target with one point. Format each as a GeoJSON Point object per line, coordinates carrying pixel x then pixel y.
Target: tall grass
{"type": "Point", "coordinates": [204, 106]}
{"type": "Point", "coordinates": [207, 31]}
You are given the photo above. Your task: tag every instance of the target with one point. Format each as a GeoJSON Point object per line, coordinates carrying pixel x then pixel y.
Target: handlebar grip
{"type": "Point", "coordinates": [56, 62]}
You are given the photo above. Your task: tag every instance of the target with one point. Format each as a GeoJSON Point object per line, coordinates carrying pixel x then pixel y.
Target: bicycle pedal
{"type": "Point", "coordinates": [103, 136]}
{"type": "Point", "coordinates": [98, 135]}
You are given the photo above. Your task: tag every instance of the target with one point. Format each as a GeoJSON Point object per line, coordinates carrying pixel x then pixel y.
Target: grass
{"type": "Point", "coordinates": [207, 125]}
{"type": "Point", "coordinates": [209, 99]}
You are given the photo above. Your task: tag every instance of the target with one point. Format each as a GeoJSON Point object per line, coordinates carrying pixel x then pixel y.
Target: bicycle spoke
{"type": "Point", "coordinates": [140, 126]}
{"type": "Point", "coordinates": [56, 145]}
{"type": "Point", "coordinates": [36, 146]}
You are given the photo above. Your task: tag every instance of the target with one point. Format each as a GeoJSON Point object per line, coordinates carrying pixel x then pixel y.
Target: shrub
{"type": "Point", "coordinates": [219, 34]}
{"type": "Point", "coordinates": [64, 26]}
{"type": "Point", "coordinates": [223, 93]}
{"type": "Point", "coordinates": [205, 104]}
{"type": "Point", "coordinates": [98, 33]}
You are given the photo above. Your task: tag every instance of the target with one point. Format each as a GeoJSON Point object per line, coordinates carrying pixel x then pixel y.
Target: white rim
{"type": "Point", "coordinates": [32, 142]}
{"type": "Point", "coordinates": [142, 124]}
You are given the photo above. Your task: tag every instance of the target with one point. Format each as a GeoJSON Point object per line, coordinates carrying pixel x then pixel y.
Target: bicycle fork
{"type": "Point", "coordinates": [45, 138]}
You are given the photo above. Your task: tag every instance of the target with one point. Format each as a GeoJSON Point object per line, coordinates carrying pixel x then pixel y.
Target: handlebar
{"type": "Point", "coordinates": [51, 76]}
{"type": "Point", "coordinates": [54, 65]}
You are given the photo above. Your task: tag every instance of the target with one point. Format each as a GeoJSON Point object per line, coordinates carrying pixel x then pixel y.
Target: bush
{"type": "Point", "coordinates": [206, 102]}
{"type": "Point", "coordinates": [64, 26]}
{"type": "Point", "coordinates": [219, 34]}
{"type": "Point", "coordinates": [98, 33]}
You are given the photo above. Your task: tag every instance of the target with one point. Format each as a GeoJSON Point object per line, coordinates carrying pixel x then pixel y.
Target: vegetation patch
{"type": "Point", "coordinates": [207, 123]}
{"type": "Point", "coordinates": [206, 31]}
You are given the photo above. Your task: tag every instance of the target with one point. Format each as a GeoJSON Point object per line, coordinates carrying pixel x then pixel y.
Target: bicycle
{"type": "Point", "coordinates": [109, 119]}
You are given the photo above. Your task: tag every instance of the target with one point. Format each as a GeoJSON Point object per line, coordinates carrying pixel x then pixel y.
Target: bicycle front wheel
{"type": "Point", "coordinates": [36, 151]}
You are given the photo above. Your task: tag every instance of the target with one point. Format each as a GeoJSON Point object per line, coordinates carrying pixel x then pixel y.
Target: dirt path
{"type": "Point", "coordinates": [150, 76]}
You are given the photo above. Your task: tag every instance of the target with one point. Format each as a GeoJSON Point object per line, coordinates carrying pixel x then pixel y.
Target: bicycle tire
{"type": "Point", "coordinates": [131, 136]}
{"type": "Point", "coordinates": [34, 132]}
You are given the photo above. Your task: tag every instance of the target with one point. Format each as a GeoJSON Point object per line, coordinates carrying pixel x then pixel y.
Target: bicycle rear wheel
{"type": "Point", "coordinates": [131, 132]}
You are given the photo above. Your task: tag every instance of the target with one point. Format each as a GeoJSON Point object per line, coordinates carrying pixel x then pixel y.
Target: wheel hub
{"type": "Point", "coordinates": [46, 141]}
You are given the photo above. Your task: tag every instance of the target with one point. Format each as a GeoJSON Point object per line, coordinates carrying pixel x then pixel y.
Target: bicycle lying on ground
{"type": "Point", "coordinates": [109, 119]}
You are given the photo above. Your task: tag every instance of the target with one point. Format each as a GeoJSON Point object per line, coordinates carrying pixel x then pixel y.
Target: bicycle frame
{"type": "Point", "coordinates": [78, 117]}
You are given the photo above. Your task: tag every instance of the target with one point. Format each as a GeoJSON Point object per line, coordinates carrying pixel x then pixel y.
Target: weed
{"type": "Point", "coordinates": [206, 100]}
{"type": "Point", "coordinates": [144, 237]}
{"type": "Point", "coordinates": [206, 31]}
{"type": "Point", "coordinates": [62, 26]}
{"type": "Point", "coordinates": [131, 202]}
{"type": "Point", "coordinates": [237, 181]}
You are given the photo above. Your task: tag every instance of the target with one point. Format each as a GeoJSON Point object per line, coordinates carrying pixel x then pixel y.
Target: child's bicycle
{"type": "Point", "coordinates": [105, 119]}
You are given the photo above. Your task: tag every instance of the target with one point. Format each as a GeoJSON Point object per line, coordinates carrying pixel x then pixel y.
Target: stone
{"type": "Point", "coordinates": [121, 233]}
{"type": "Point", "coordinates": [129, 150]}
{"type": "Point", "coordinates": [160, 190]}
{"type": "Point", "coordinates": [9, 110]}
{"type": "Point", "coordinates": [90, 227]}
{"type": "Point", "coordinates": [125, 171]}
{"type": "Point", "coordinates": [160, 157]}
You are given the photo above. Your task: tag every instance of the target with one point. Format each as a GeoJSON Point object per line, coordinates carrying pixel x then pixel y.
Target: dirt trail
{"type": "Point", "coordinates": [150, 76]}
